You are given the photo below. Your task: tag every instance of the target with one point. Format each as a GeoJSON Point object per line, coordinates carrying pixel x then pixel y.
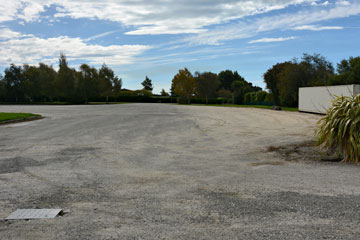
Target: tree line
{"type": "Point", "coordinates": [284, 79]}
{"type": "Point", "coordinates": [227, 86]}
{"type": "Point", "coordinates": [43, 84]}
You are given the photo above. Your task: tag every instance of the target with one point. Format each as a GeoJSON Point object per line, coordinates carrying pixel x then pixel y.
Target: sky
{"type": "Point", "coordinates": [156, 38]}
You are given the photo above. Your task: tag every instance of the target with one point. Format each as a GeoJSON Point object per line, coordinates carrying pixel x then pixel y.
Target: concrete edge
{"type": "Point", "coordinates": [28, 119]}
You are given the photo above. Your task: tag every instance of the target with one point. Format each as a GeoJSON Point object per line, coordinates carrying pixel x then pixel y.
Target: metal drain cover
{"type": "Point", "coordinates": [33, 214]}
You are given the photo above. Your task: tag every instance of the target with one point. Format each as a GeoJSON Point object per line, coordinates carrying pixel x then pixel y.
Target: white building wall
{"type": "Point", "coordinates": [318, 99]}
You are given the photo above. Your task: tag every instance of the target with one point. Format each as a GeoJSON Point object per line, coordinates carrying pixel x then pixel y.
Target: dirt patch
{"type": "Point", "coordinates": [267, 206]}
{"type": "Point", "coordinates": [17, 164]}
{"type": "Point", "coordinates": [305, 151]}
{"type": "Point", "coordinates": [275, 163]}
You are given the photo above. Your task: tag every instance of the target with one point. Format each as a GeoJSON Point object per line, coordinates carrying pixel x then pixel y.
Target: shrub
{"type": "Point", "coordinates": [339, 130]}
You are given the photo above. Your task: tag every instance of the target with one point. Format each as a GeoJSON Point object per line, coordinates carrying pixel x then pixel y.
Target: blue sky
{"type": "Point", "coordinates": [158, 37]}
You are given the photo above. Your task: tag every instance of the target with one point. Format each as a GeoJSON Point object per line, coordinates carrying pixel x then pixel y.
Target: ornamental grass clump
{"type": "Point", "coordinates": [339, 130]}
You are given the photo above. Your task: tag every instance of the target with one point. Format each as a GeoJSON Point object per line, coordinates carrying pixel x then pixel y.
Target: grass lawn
{"type": "Point", "coordinates": [15, 116]}
{"type": "Point", "coordinates": [247, 106]}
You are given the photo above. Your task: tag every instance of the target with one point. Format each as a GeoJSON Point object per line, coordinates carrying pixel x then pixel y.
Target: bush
{"type": "Point", "coordinates": [339, 130]}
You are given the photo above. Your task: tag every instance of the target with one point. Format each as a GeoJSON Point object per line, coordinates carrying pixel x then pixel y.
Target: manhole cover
{"type": "Point", "coordinates": [33, 214]}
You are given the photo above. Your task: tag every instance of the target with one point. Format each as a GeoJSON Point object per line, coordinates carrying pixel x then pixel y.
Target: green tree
{"type": "Point", "coordinates": [318, 70]}
{"type": "Point", "coordinates": [147, 84]}
{"type": "Point", "coordinates": [184, 84]}
{"type": "Point", "coordinates": [31, 84]}
{"type": "Point", "coordinates": [261, 96]}
{"type": "Point", "coordinates": [271, 79]}
{"type": "Point", "coordinates": [225, 95]}
{"type": "Point", "coordinates": [14, 83]}
{"type": "Point", "coordinates": [227, 77]}
{"type": "Point", "coordinates": [284, 79]}
{"type": "Point", "coordinates": [2, 89]}
{"type": "Point", "coordinates": [65, 80]}
{"type": "Point", "coordinates": [238, 91]}
{"type": "Point", "coordinates": [164, 93]}
{"type": "Point", "coordinates": [348, 72]}
{"type": "Point", "coordinates": [117, 84]}
{"type": "Point", "coordinates": [87, 87]}
{"type": "Point", "coordinates": [291, 79]}
{"type": "Point", "coordinates": [206, 85]}
{"type": "Point", "coordinates": [46, 80]}
{"type": "Point", "coordinates": [106, 80]}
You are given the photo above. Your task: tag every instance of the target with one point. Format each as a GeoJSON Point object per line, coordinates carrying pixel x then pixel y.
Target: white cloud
{"type": "Point", "coordinates": [267, 40]}
{"type": "Point", "coordinates": [317, 28]}
{"type": "Point", "coordinates": [246, 29]}
{"type": "Point", "coordinates": [6, 33]}
{"type": "Point", "coordinates": [32, 50]}
{"type": "Point", "coordinates": [148, 16]}
{"type": "Point", "coordinates": [344, 3]}
{"type": "Point", "coordinates": [320, 4]}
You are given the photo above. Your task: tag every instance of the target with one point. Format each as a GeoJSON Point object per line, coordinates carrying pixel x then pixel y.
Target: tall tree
{"type": "Point", "coordinates": [271, 79]}
{"type": "Point", "coordinates": [31, 84]}
{"type": "Point", "coordinates": [291, 79]}
{"type": "Point", "coordinates": [88, 82]}
{"type": "Point", "coordinates": [106, 80]}
{"type": "Point", "coordinates": [164, 93]}
{"type": "Point", "coordinates": [65, 80]}
{"type": "Point", "coordinates": [2, 89]}
{"type": "Point", "coordinates": [318, 70]}
{"type": "Point", "coordinates": [14, 82]}
{"type": "Point", "coordinates": [147, 84]}
{"type": "Point", "coordinates": [184, 84]}
{"type": "Point", "coordinates": [227, 77]}
{"type": "Point", "coordinates": [46, 80]}
{"type": "Point", "coordinates": [206, 84]}
{"type": "Point", "coordinates": [117, 84]}
{"type": "Point", "coordinates": [349, 72]}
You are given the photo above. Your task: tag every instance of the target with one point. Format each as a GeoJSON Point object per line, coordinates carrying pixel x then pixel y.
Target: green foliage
{"type": "Point", "coordinates": [5, 116]}
{"type": "Point", "coordinates": [206, 85]}
{"type": "Point", "coordinates": [348, 72]}
{"type": "Point", "coordinates": [227, 77]}
{"type": "Point", "coordinates": [339, 130]}
{"type": "Point", "coordinates": [271, 79]}
{"type": "Point", "coordinates": [164, 93]}
{"type": "Point", "coordinates": [117, 84]}
{"type": "Point", "coordinates": [235, 83]}
{"type": "Point", "coordinates": [14, 83]}
{"type": "Point", "coordinates": [147, 84]}
{"type": "Point", "coordinates": [284, 79]}
{"type": "Point", "coordinates": [225, 95]}
{"type": "Point", "coordinates": [65, 80]}
{"type": "Point", "coordinates": [269, 98]}
{"type": "Point", "coordinates": [184, 85]}
{"type": "Point", "coordinates": [2, 89]}
{"type": "Point", "coordinates": [87, 83]}
{"type": "Point", "coordinates": [290, 79]}
{"type": "Point", "coordinates": [43, 84]}
{"type": "Point", "coordinates": [106, 81]}
{"type": "Point", "coordinates": [259, 97]}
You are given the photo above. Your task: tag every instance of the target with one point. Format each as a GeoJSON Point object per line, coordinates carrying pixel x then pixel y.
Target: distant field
{"type": "Point", "coordinates": [247, 106]}
{"type": "Point", "coordinates": [4, 116]}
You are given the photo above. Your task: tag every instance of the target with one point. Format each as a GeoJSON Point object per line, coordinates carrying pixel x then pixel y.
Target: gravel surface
{"type": "Point", "coordinates": [159, 171]}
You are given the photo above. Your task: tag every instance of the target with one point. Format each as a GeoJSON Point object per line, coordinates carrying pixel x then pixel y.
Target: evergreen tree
{"type": "Point", "coordinates": [147, 84]}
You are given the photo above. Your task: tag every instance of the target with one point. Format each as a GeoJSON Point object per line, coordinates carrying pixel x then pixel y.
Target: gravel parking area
{"type": "Point", "coordinates": [161, 171]}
